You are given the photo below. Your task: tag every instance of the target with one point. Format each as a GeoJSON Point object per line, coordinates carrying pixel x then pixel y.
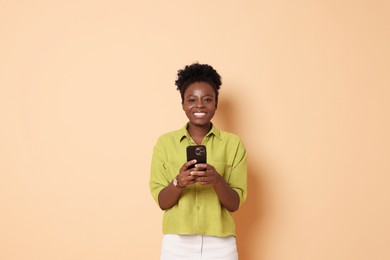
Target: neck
{"type": "Point", "coordinates": [198, 132]}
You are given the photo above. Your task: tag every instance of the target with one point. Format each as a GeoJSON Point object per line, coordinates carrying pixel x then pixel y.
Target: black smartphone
{"type": "Point", "coordinates": [197, 152]}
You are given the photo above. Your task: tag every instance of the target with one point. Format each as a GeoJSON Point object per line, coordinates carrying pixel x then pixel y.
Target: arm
{"type": "Point", "coordinates": [232, 191]}
{"type": "Point", "coordinates": [170, 195]}
{"type": "Point", "coordinates": [206, 174]}
{"type": "Point", "coordinates": [226, 195]}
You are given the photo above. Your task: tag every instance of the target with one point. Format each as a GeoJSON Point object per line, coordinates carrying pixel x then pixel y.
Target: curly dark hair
{"type": "Point", "coordinates": [198, 73]}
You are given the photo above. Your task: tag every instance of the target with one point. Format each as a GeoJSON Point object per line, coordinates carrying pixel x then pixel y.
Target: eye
{"type": "Point", "coordinates": [208, 100]}
{"type": "Point", "coordinates": [191, 100]}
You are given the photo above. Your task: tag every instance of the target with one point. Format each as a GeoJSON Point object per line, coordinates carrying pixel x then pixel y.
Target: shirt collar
{"type": "Point", "coordinates": [183, 133]}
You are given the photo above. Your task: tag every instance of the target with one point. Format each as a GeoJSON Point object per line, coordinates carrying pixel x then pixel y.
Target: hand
{"type": "Point", "coordinates": [205, 174]}
{"type": "Point", "coordinates": [185, 178]}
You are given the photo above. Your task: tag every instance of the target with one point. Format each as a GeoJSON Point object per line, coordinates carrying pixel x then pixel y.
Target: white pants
{"type": "Point", "coordinates": [197, 247]}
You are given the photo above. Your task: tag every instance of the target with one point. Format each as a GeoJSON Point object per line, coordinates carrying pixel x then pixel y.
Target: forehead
{"type": "Point", "coordinates": [199, 89]}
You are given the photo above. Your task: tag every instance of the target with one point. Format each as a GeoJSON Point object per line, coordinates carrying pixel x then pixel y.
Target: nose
{"type": "Point", "coordinates": [200, 103]}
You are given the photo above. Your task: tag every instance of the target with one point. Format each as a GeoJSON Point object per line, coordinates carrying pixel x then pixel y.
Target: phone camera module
{"type": "Point", "coordinates": [200, 151]}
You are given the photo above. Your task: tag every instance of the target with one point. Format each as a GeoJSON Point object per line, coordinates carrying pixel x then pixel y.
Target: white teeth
{"type": "Point", "coordinates": [199, 114]}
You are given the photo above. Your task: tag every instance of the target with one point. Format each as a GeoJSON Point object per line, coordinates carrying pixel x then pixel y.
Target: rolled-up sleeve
{"type": "Point", "coordinates": [158, 172]}
{"type": "Point", "coordinates": [238, 176]}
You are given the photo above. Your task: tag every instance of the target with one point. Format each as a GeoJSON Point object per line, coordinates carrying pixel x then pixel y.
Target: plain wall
{"type": "Point", "coordinates": [86, 87]}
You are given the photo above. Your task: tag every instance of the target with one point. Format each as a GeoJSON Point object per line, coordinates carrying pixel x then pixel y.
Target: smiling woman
{"type": "Point", "coordinates": [198, 198]}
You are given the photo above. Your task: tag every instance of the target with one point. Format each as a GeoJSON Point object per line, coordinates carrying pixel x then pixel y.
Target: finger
{"type": "Point", "coordinates": [187, 180]}
{"type": "Point", "coordinates": [188, 183]}
{"type": "Point", "coordinates": [186, 177]}
{"type": "Point", "coordinates": [202, 179]}
{"type": "Point", "coordinates": [190, 178]}
{"type": "Point", "coordinates": [202, 166]}
{"type": "Point", "coordinates": [191, 182]}
{"type": "Point", "coordinates": [198, 173]}
{"type": "Point", "coordinates": [187, 164]}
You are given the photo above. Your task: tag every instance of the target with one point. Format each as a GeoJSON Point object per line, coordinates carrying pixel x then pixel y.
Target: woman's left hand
{"type": "Point", "coordinates": [205, 174]}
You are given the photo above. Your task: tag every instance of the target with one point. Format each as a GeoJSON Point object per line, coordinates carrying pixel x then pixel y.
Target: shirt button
{"type": "Point", "coordinates": [198, 207]}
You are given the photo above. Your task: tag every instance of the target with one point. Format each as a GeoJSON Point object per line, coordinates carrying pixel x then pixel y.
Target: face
{"type": "Point", "coordinates": [199, 103]}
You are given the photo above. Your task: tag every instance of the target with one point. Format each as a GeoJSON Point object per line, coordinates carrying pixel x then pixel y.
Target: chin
{"type": "Point", "coordinates": [197, 123]}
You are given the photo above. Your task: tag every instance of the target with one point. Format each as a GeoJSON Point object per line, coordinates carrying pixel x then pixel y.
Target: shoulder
{"type": "Point", "coordinates": [170, 137]}
{"type": "Point", "coordinates": [229, 136]}
{"type": "Point", "coordinates": [230, 140]}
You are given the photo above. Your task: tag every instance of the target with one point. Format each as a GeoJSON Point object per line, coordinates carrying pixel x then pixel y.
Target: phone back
{"type": "Point", "coordinates": [197, 152]}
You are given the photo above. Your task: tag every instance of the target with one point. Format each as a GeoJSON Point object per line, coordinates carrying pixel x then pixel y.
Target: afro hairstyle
{"type": "Point", "coordinates": [197, 73]}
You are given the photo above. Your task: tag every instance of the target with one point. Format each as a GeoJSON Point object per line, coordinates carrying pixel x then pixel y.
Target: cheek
{"type": "Point", "coordinates": [186, 109]}
{"type": "Point", "coordinates": [186, 106]}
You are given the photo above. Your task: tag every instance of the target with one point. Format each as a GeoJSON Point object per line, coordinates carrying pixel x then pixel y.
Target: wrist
{"type": "Point", "coordinates": [176, 183]}
{"type": "Point", "coordinates": [219, 181]}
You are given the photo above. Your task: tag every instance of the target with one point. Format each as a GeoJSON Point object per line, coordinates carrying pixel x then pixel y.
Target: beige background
{"type": "Point", "coordinates": [86, 87]}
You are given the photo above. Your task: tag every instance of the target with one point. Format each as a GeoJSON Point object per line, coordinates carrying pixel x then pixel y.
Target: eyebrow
{"type": "Point", "coordinates": [207, 95]}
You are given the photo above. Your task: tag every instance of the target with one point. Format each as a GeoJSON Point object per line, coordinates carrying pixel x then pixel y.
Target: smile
{"type": "Point", "coordinates": [198, 114]}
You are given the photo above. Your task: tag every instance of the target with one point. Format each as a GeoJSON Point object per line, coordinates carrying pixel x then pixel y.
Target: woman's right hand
{"type": "Point", "coordinates": [184, 178]}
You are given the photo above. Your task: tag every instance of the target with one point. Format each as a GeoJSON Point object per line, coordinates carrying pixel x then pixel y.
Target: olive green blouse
{"type": "Point", "coordinates": [198, 210]}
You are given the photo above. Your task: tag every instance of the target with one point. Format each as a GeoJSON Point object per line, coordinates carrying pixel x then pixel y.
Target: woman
{"type": "Point", "coordinates": [198, 198]}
